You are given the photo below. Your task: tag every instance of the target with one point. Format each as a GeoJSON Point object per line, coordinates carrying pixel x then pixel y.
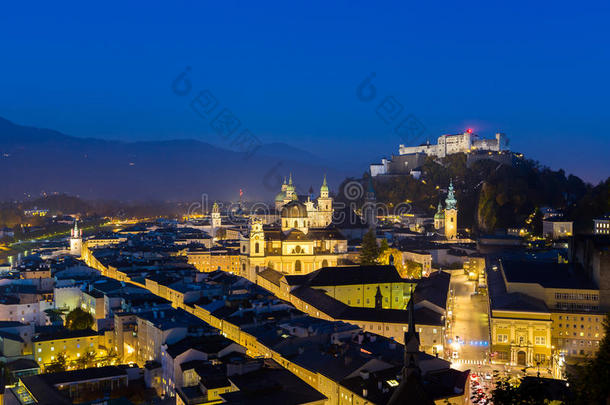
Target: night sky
{"type": "Point", "coordinates": [537, 71]}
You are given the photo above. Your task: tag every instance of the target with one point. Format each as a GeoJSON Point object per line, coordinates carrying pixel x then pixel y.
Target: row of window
{"type": "Point", "coordinates": [571, 306]}
{"type": "Point", "coordinates": [575, 318]}
{"type": "Point", "coordinates": [577, 296]}
{"type": "Point", "coordinates": [538, 340]}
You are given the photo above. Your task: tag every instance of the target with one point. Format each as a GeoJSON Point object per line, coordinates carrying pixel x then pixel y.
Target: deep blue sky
{"type": "Point", "coordinates": [537, 71]}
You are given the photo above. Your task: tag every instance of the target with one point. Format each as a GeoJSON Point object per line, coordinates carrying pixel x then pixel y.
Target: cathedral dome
{"type": "Point", "coordinates": [280, 197]}
{"type": "Point", "coordinates": [294, 209]}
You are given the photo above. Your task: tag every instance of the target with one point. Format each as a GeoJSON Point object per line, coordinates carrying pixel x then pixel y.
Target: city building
{"type": "Point", "coordinates": [372, 297]}
{"type": "Point", "coordinates": [293, 248]}
{"type": "Point", "coordinates": [556, 228]}
{"type": "Point", "coordinates": [215, 258]}
{"type": "Point", "coordinates": [69, 387]}
{"type": "Point", "coordinates": [73, 344]}
{"type": "Point", "coordinates": [543, 313]}
{"type": "Point", "coordinates": [601, 225]}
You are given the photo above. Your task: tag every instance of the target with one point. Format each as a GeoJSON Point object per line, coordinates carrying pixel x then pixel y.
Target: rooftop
{"type": "Point", "coordinates": [547, 274]}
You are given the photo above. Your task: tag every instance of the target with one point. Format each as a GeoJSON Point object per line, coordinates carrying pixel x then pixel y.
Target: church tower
{"type": "Point", "coordinates": [291, 194]}
{"type": "Point", "coordinates": [451, 214]}
{"type": "Point", "coordinates": [369, 209]}
{"type": "Point", "coordinates": [257, 238]}
{"type": "Point", "coordinates": [439, 217]}
{"type": "Point", "coordinates": [216, 221]}
{"type": "Point", "coordinates": [281, 196]}
{"type": "Point", "coordinates": [325, 204]}
{"type": "Point", "coordinates": [76, 240]}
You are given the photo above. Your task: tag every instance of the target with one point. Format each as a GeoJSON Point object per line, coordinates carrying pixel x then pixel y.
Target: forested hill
{"type": "Point", "coordinates": [492, 195]}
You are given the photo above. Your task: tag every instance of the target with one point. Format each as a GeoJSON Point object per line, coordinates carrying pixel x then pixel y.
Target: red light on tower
{"type": "Point", "coordinates": [469, 130]}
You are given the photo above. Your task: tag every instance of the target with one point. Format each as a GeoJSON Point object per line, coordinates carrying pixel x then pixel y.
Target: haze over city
{"type": "Point", "coordinates": [317, 203]}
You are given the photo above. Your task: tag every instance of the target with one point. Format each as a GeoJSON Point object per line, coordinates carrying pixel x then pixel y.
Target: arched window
{"type": "Point", "coordinates": [286, 223]}
{"type": "Point", "coordinates": [256, 247]}
{"type": "Point", "coordinates": [297, 266]}
{"type": "Point", "coordinates": [324, 263]}
{"type": "Point", "coordinates": [296, 224]}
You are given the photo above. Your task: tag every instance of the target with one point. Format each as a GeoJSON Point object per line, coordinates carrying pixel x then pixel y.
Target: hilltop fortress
{"type": "Point", "coordinates": [410, 158]}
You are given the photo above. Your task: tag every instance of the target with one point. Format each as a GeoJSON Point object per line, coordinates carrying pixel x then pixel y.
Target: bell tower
{"type": "Point", "coordinates": [325, 204]}
{"type": "Point", "coordinates": [257, 238]}
{"type": "Point", "coordinates": [76, 240]}
{"type": "Point", "coordinates": [369, 209]}
{"type": "Point", "coordinates": [216, 220]}
{"type": "Point", "coordinates": [451, 214]}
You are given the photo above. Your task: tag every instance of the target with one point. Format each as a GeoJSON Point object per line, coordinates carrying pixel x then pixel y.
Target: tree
{"type": "Point", "coordinates": [78, 319]}
{"type": "Point", "coordinates": [370, 251]}
{"type": "Point", "coordinates": [413, 269]}
{"type": "Point", "coordinates": [86, 360]}
{"type": "Point", "coordinates": [59, 364]}
{"type": "Point", "coordinates": [383, 246]}
{"type": "Point", "coordinates": [509, 392]}
{"type": "Point", "coordinates": [591, 384]}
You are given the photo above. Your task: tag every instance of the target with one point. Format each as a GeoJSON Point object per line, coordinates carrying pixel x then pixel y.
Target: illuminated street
{"type": "Point", "coordinates": [470, 332]}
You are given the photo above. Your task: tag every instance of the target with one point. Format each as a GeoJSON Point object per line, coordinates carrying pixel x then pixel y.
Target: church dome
{"type": "Point", "coordinates": [439, 215]}
{"type": "Point", "coordinates": [294, 209]}
{"type": "Point", "coordinates": [280, 197]}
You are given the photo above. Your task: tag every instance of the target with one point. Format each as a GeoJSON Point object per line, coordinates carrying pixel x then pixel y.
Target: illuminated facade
{"type": "Point", "coordinates": [458, 143]}
{"type": "Point", "coordinates": [319, 213]}
{"type": "Point", "coordinates": [446, 219]}
{"type": "Point", "coordinates": [76, 240]}
{"type": "Point", "coordinates": [216, 220]}
{"type": "Point", "coordinates": [302, 241]}
{"type": "Point", "coordinates": [293, 248]}
{"type": "Point", "coordinates": [73, 344]}
{"type": "Point", "coordinates": [450, 214]}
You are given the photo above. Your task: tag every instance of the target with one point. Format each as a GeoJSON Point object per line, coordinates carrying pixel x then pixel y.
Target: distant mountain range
{"type": "Point", "coordinates": [35, 161]}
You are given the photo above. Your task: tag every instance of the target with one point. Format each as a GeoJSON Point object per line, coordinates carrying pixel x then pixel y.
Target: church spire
{"type": "Point", "coordinates": [324, 188]}
{"type": "Point", "coordinates": [411, 340]}
{"type": "Point", "coordinates": [451, 202]}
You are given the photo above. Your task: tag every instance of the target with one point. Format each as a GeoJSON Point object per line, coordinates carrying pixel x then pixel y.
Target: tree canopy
{"type": "Point", "coordinates": [78, 319]}
{"type": "Point", "coordinates": [369, 253]}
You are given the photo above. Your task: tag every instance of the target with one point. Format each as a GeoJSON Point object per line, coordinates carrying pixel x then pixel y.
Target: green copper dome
{"type": "Point", "coordinates": [280, 197]}
{"type": "Point", "coordinates": [439, 212]}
